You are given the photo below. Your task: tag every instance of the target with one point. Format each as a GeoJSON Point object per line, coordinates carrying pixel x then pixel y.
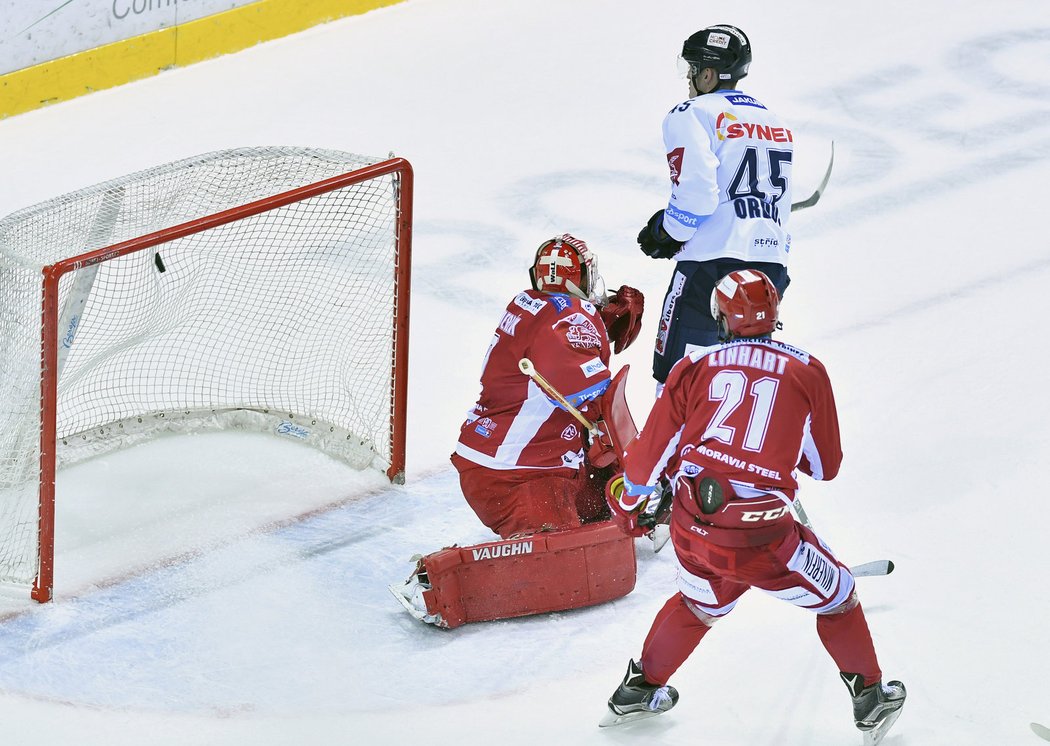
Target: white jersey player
{"type": "Point", "coordinates": [730, 167]}
{"type": "Point", "coordinates": [736, 200]}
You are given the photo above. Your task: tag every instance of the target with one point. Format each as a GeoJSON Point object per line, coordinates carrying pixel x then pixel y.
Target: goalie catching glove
{"type": "Point", "coordinates": [622, 315]}
{"type": "Point", "coordinates": [636, 509]}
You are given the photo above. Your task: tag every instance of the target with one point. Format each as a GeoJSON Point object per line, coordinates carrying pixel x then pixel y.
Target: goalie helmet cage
{"type": "Point", "coordinates": [262, 289]}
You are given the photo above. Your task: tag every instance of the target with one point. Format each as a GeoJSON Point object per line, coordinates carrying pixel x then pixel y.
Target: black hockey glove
{"type": "Point", "coordinates": [654, 239]}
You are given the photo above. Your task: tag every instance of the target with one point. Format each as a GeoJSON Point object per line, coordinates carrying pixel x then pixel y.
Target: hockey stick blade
{"type": "Point", "coordinates": [1041, 730]}
{"type": "Point", "coordinates": [869, 569]}
{"type": "Point", "coordinates": [813, 198]}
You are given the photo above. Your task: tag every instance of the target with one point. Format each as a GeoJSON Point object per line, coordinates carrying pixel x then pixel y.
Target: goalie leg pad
{"type": "Point", "coordinates": [534, 574]}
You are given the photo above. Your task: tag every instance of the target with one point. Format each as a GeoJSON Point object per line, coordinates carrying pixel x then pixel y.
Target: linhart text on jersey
{"type": "Point", "coordinates": [748, 356]}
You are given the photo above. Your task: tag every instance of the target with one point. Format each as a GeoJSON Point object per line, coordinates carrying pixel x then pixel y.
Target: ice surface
{"type": "Point", "coordinates": [227, 589]}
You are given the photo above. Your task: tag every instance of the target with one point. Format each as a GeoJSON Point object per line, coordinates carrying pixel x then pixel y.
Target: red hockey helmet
{"type": "Point", "coordinates": [745, 303]}
{"type": "Point", "coordinates": [565, 265]}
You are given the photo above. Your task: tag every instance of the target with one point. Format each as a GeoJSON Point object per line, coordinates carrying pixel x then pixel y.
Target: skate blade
{"type": "Point", "coordinates": [610, 718]}
{"type": "Point", "coordinates": [659, 535]}
{"type": "Point", "coordinates": [434, 619]}
{"type": "Point", "coordinates": [874, 736]}
{"type": "Point", "coordinates": [1041, 730]}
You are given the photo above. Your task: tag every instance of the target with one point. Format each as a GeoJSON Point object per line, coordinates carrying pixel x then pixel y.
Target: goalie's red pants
{"type": "Point", "coordinates": [712, 578]}
{"type": "Point", "coordinates": [516, 501]}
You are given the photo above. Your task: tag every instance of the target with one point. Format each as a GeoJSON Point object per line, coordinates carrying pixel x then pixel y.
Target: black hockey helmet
{"type": "Point", "coordinates": [725, 48]}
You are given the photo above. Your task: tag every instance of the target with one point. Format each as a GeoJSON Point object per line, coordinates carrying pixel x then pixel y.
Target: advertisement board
{"type": "Point", "coordinates": [35, 31]}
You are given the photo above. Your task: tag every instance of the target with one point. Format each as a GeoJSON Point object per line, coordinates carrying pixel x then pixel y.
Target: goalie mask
{"type": "Point", "coordinates": [745, 303]}
{"type": "Point", "coordinates": [565, 265]}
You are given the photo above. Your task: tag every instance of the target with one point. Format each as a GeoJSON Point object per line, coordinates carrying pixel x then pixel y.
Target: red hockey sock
{"type": "Point", "coordinates": [675, 633]}
{"type": "Point", "coordinates": [847, 639]}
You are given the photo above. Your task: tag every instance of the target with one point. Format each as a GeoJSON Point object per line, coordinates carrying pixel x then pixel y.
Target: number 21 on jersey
{"type": "Point", "coordinates": [729, 387]}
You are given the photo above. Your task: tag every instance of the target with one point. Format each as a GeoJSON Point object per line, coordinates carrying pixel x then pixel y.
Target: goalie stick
{"type": "Point", "coordinates": [660, 533]}
{"type": "Point", "coordinates": [813, 198]}
{"type": "Point", "coordinates": [525, 366]}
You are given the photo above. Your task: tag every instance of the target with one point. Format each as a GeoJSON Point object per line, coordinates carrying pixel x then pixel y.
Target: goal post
{"type": "Point", "coordinates": [263, 289]}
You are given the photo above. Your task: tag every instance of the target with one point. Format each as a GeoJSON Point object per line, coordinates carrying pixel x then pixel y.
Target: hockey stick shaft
{"type": "Point", "coordinates": [813, 198]}
{"type": "Point", "coordinates": [879, 567]}
{"type": "Point", "coordinates": [525, 366]}
{"type": "Point", "coordinates": [866, 570]}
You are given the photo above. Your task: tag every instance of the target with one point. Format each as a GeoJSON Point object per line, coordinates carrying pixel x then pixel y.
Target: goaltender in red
{"type": "Point", "coordinates": [528, 467]}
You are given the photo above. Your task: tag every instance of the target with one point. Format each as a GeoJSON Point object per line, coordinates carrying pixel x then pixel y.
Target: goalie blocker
{"type": "Point", "coordinates": [535, 573]}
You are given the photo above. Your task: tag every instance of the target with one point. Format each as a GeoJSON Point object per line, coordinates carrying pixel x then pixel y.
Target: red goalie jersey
{"type": "Point", "coordinates": [751, 411]}
{"type": "Point", "coordinates": [514, 425]}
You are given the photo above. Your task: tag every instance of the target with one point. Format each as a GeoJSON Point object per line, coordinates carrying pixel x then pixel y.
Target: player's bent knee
{"type": "Point", "coordinates": [849, 604]}
{"type": "Point", "coordinates": [533, 574]}
{"type": "Point", "coordinates": [707, 619]}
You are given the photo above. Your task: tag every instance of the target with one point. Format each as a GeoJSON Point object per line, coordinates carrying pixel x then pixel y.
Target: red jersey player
{"type": "Point", "coordinates": [729, 430]}
{"type": "Point", "coordinates": [520, 454]}
{"type": "Point", "coordinates": [522, 457]}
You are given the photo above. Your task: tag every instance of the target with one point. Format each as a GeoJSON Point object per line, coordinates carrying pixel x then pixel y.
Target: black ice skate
{"type": "Point", "coordinates": [636, 699]}
{"type": "Point", "coordinates": [875, 707]}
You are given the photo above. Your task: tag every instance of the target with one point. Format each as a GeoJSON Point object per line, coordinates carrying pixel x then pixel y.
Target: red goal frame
{"type": "Point", "coordinates": [43, 586]}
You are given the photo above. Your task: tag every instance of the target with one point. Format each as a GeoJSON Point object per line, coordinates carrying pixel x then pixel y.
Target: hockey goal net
{"type": "Point", "coordinates": [261, 288]}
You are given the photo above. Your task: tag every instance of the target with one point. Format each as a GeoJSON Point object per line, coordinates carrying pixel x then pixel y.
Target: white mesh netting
{"type": "Point", "coordinates": [282, 321]}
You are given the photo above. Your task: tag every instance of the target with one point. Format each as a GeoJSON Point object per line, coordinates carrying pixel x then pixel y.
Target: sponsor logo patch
{"type": "Point", "coordinates": [741, 99]}
{"type": "Point", "coordinates": [561, 302]}
{"type": "Point", "coordinates": [502, 550]}
{"type": "Point", "coordinates": [532, 305]}
{"type": "Point", "coordinates": [570, 433]}
{"type": "Point", "coordinates": [485, 427]}
{"type": "Point", "coordinates": [294, 430]}
{"type": "Point", "coordinates": [668, 312]}
{"type": "Point", "coordinates": [683, 217]}
{"type": "Point", "coordinates": [721, 41]}
{"type": "Point", "coordinates": [674, 163]}
{"type": "Point", "coordinates": [816, 567]}
{"type": "Point", "coordinates": [67, 340]}
{"type": "Point", "coordinates": [729, 127]}
{"type": "Point", "coordinates": [593, 367]}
